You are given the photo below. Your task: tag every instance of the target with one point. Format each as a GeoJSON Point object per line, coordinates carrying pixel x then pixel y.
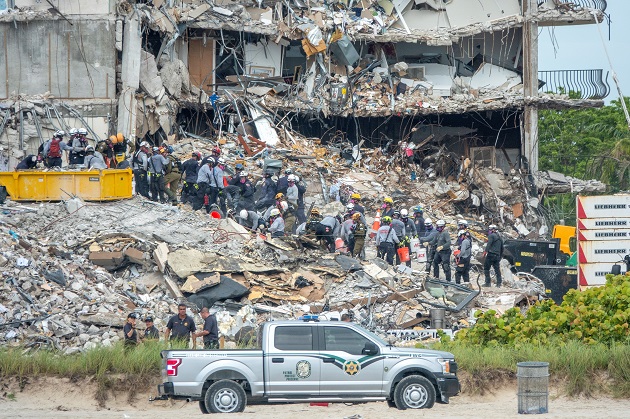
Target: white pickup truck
{"type": "Point", "coordinates": [306, 361]}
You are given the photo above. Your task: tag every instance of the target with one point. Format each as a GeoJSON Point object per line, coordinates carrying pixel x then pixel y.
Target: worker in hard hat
{"type": "Point", "coordinates": [442, 251]}
{"type": "Point", "coordinates": [461, 225]}
{"type": "Point", "coordinates": [139, 165]}
{"type": "Point", "coordinates": [418, 219]}
{"type": "Point", "coordinates": [93, 159]}
{"type": "Point", "coordinates": [172, 173]}
{"type": "Point", "coordinates": [355, 199]}
{"type": "Point", "coordinates": [120, 147]}
{"type": "Point", "coordinates": [78, 142]}
{"type": "Point", "coordinates": [246, 192]}
{"type": "Point", "coordinates": [359, 230]}
{"type": "Point", "coordinates": [249, 219]}
{"type": "Point", "coordinates": [386, 240]}
{"type": "Point", "coordinates": [410, 232]}
{"type": "Point", "coordinates": [387, 209]}
{"type": "Point", "coordinates": [276, 223]}
{"type": "Point", "coordinates": [190, 168]}
{"type": "Point", "coordinates": [428, 238]}
{"type": "Point", "coordinates": [462, 259]}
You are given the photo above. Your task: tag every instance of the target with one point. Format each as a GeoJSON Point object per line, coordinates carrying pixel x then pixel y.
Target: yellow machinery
{"type": "Point", "coordinates": [564, 233]}
{"type": "Point", "coordinates": [93, 185]}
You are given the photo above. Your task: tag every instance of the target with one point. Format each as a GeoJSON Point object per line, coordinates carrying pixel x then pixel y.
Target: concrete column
{"type": "Point", "coordinates": [127, 103]}
{"type": "Point", "coordinates": [530, 83]}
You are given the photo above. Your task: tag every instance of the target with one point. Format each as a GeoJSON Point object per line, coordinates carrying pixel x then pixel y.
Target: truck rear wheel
{"type": "Point", "coordinates": [225, 396]}
{"type": "Point", "coordinates": [414, 392]}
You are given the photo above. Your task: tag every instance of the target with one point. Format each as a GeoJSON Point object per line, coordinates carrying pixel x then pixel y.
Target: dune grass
{"type": "Point", "coordinates": [575, 367]}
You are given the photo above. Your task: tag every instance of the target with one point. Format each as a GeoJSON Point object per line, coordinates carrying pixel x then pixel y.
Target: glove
{"type": "Point", "coordinates": [196, 186]}
{"type": "Point", "coordinates": [425, 244]}
{"type": "Point", "coordinates": [439, 248]}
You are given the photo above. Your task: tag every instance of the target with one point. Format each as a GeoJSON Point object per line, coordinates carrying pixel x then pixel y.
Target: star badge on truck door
{"type": "Point", "coordinates": [351, 367]}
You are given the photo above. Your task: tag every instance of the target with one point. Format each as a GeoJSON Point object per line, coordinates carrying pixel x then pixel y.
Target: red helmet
{"type": "Point", "coordinates": [216, 150]}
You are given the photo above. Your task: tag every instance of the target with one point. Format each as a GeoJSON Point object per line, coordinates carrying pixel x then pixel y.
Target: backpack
{"type": "Point", "coordinates": [55, 149]}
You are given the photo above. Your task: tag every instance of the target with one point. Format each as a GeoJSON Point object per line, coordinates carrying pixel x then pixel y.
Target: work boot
{"type": "Point", "coordinates": [498, 285]}
{"type": "Point", "coordinates": [487, 284]}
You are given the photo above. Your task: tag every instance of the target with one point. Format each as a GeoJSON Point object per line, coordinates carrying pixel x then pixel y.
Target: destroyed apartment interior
{"type": "Point", "coordinates": [430, 102]}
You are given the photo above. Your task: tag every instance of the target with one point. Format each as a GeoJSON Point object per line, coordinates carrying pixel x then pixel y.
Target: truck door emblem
{"type": "Point", "coordinates": [303, 369]}
{"type": "Point", "coordinates": [351, 367]}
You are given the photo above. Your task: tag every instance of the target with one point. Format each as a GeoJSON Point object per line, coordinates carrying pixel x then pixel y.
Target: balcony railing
{"type": "Point", "coordinates": [583, 84]}
{"type": "Point", "coordinates": [589, 4]}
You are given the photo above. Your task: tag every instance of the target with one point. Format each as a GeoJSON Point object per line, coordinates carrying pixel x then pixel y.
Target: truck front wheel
{"type": "Point", "coordinates": [414, 392]}
{"type": "Point", "coordinates": [225, 396]}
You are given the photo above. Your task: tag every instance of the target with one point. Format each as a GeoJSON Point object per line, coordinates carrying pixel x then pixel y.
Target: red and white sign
{"type": "Point", "coordinates": [603, 234]}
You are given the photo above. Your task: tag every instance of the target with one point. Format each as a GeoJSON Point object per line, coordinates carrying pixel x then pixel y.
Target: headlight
{"type": "Point", "coordinates": [446, 365]}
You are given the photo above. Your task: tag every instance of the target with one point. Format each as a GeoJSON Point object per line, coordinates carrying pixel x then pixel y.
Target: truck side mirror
{"type": "Point", "coordinates": [370, 348]}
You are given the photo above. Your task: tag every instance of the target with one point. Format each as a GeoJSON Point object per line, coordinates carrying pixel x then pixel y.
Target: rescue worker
{"type": "Point", "coordinates": [190, 168]}
{"type": "Point", "coordinates": [246, 192]}
{"type": "Point", "coordinates": [203, 183]}
{"type": "Point", "coordinates": [93, 160]}
{"type": "Point", "coordinates": [29, 162]}
{"type": "Point", "coordinates": [216, 152]}
{"type": "Point", "coordinates": [157, 186]}
{"type": "Point", "coordinates": [359, 231]}
{"type": "Point", "coordinates": [216, 186]}
{"type": "Point", "coordinates": [386, 240]}
{"type": "Point", "coordinates": [410, 232]}
{"type": "Point", "coordinates": [276, 223]}
{"type": "Point", "coordinates": [323, 233]}
{"type": "Point", "coordinates": [399, 228]}
{"type": "Point", "coordinates": [442, 251]}
{"type": "Point", "coordinates": [493, 253]}
{"type": "Point", "coordinates": [387, 209]}
{"type": "Point", "coordinates": [355, 199]}
{"type": "Point", "coordinates": [53, 149]}
{"type": "Point", "coordinates": [428, 238]}
{"type": "Point", "coordinates": [463, 258]}
{"type": "Point", "coordinates": [140, 165]}
{"type": "Point", "coordinates": [288, 214]}
{"type": "Point", "coordinates": [267, 192]}
{"type": "Point", "coordinates": [106, 148]}
{"type": "Point", "coordinates": [78, 143]}
{"type": "Point", "coordinates": [346, 229]}
{"type": "Point", "coordinates": [119, 150]}
{"type": "Point", "coordinates": [301, 185]}
{"type": "Point", "coordinates": [250, 219]}
{"type": "Point", "coordinates": [461, 225]}
{"type": "Point", "coordinates": [172, 173]}
{"type": "Point", "coordinates": [283, 182]}
{"type": "Point", "coordinates": [292, 191]}
{"type": "Point", "coordinates": [418, 219]}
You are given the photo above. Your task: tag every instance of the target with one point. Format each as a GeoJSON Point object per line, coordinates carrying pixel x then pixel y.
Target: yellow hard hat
{"type": "Point", "coordinates": [355, 196]}
{"type": "Point", "coordinates": [279, 195]}
{"type": "Point", "coordinates": [120, 137]}
{"type": "Point", "coordinates": [113, 139]}
{"type": "Point", "coordinates": [356, 216]}
{"type": "Point", "coordinates": [388, 200]}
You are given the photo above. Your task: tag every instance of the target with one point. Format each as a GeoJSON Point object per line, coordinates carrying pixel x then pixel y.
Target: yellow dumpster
{"type": "Point", "coordinates": [35, 185]}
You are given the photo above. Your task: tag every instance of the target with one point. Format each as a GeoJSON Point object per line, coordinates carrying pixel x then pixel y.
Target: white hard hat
{"type": "Point", "coordinates": [462, 223]}
{"type": "Point", "coordinates": [460, 232]}
{"type": "Point", "coordinates": [73, 131]}
{"type": "Point", "coordinates": [144, 144]}
{"type": "Point", "coordinates": [82, 131]}
{"type": "Point", "coordinates": [275, 212]}
{"type": "Point", "coordinates": [243, 174]}
{"type": "Point", "coordinates": [297, 178]}
{"type": "Point", "coordinates": [440, 223]}
{"type": "Point", "coordinates": [493, 227]}
{"type": "Point", "coordinates": [428, 221]}
{"type": "Point", "coordinates": [59, 133]}
{"type": "Point", "coordinates": [284, 206]}
{"type": "Point", "coordinates": [89, 149]}
{"type": "Point", "coordinates": [350, 207]}
{"type": "Point", "coordinates": [244, 214]}
{"type": "Point", "coordinates": [404, 212]}
{"type": "Point", "coordinates": [291, 178]}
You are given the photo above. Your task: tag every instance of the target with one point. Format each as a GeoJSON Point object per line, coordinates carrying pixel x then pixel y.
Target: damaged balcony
{"type": "Point", "coordinates": [583, 84]}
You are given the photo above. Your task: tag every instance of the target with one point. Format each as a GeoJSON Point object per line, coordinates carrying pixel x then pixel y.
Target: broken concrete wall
{"type": "Point", "coordinates": [58, 58]}
{"type": "Point", "coordinates": [71, 7]}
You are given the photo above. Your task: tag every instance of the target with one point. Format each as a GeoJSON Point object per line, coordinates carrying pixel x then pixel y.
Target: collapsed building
{"type": "Point", "coordinates": [426, 72]}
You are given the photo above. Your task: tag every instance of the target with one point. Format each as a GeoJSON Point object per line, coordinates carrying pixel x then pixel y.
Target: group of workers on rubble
{"type": "Point", "coordinates": [397, 229]}
{"type": "Point", "coordinates": [108, 153]}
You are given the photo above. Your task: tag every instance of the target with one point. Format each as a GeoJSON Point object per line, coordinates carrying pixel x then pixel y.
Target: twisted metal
{"type": "Point", "coordinates": [587, 4]}
{"type": "Point", "coordinates": [589, 84]}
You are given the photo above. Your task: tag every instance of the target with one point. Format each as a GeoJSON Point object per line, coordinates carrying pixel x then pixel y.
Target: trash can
{"type": "Point", "coordinates": [533, 387]}
{"type": "Point", "coordinates": [437, 317]}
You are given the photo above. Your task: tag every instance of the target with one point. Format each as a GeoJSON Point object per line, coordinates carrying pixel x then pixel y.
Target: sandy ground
{"type": "Point", "coordinates": [58, 398]}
